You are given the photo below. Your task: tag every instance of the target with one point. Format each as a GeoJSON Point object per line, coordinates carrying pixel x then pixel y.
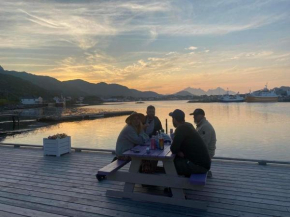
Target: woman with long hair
{"type": "Point", "coordinates": [131, 135]}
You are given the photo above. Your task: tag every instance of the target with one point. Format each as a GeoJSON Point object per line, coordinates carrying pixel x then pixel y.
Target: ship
{"type": "Point", "coordinates": [232, 98]}
{"type": "Point", "coordinates": [139, 102]}
{"type": "Point", "coordinates": [264, 95]}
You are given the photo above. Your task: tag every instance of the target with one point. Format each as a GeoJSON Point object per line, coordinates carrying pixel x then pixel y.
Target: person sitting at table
{"type": "Point", "coordinates": [152, 123]}
{"type": "Point", "coordinates": [191, 152]}
{"type": "Point", "coordinates": [131, 135]}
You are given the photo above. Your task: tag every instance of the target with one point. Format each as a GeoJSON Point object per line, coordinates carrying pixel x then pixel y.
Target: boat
{"type": "Point", "coordinates": [139, 102]}
{"type": "Point", "coordinates": [264, 95]}
{"type": "Point", "coordinates": [232, 98]}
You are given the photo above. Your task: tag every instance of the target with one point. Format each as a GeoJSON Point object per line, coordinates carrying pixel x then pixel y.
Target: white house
{"type": "Point", "coordinates": [59, 99]}
{"type": "Point", "coordinates": [39, 100]}
{"type": "Point", "coordinates": [31, 101]}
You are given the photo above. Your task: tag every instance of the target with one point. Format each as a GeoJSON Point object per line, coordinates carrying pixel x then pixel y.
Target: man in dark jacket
{"type": "Point", "coordinates": [152, 123]}
{"type": "Point", "coordinates": [191, 152]}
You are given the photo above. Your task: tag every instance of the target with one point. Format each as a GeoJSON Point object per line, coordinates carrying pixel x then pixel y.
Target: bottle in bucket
{"type": "Point", "coordinates": [171, 133]}
{"type": "Point", "coordinates": [161, 141]}
{"type": "Point", "coordinates": [157, 140]}
{"type": "Point", "coordinates": [152, 145]}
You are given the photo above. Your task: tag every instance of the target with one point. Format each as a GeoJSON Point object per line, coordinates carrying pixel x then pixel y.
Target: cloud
{"type": "Point", "coordinates": [139, 41]}
{"type": "Point", "coordinates": [146, 7]}
{"type": "Point", "coordinates": [171, 53]}
{"type": "Point", "coordinates": [41, 21]}
{"type": "Point", "coordinates": [191, 48]}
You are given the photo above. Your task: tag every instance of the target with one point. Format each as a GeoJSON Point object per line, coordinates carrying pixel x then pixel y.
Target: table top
{"type": "Point", "coordinates": [139, 151]}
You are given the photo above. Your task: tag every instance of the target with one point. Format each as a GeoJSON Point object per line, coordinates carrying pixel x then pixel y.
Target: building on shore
{"type": "Point", "coordinates": [59, 101]}
{"type": "Point", "coordinates": [31, 101]}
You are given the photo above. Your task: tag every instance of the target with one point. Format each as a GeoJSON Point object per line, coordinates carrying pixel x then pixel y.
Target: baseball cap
{"type": "Point", "coordinates": [178, 115]}
{"type": "Point", "coordinates": [198, 111]}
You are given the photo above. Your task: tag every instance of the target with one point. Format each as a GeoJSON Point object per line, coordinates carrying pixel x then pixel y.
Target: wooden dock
{"type": "Point", "coordinates": [80, 117]}
{"type": "Point", "coordinates": [14, 117]}
{"type": "Point", "coordinates": [37, 185]}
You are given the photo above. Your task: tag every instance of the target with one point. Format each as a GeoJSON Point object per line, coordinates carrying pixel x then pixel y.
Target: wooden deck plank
{"type": "Point", "coordinates": [11, 177]}
{"type": "Point", "coordinates": [228, 184]}
{"type": "Point", "coordinates": [92, 197]}
{"type": "Point", "coordinates": [257, 172]}
{"type": "Point", "coordinates": [9, 214]}
{"type": "Point", "coordinates": [273, 189]}
{"type": "Point", "coordinates": [229, 193]}
{"type": "Point", "coordinates": [64, 164]}
{"type": "Point", "coordinates": [237, 189]}
{"type": "Point", "coordinates": [85, 202]}
{"type": "Point", "coordinates": [266, 189]}
{"type": "Point", "coordinates": [26, 212]}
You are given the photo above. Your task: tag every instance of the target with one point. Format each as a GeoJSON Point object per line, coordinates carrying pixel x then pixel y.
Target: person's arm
{"type": "Point", "coordinates": [205, 134]}
{"type": "Point", "coordinates": [132, 136]}
{"type": "Point", "coordinates": [177, 141]}
{"type": "Point", "coordinates": [158, 125]}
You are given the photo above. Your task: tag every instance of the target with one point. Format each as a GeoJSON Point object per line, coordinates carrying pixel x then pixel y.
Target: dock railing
{"type": "Point", "coordinates": [77, 149]}
{"type": "Point", "coordinates": [80, 149]}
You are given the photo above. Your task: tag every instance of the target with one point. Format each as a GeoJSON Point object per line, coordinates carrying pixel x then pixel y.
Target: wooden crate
{"type": "Point", "coordinates": [57, 147]}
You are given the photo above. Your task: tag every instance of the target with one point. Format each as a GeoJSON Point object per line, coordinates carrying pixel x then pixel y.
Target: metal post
{"type": "Point", "coordinates": [166, 125]}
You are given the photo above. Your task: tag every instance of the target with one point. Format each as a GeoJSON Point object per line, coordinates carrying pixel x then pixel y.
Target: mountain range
{"type": "Point", "coordinates": [22, 84]}
{"type": "Point", "coordinates": [13, 88]}
{"type": "Point", "coordinates": [198, 92]}
{"type": "Point", "coordinates": [72, 88]}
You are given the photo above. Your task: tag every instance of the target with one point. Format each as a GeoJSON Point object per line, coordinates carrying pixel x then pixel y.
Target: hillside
{"type": "Point", "coordinates": [199, 92]}
{"type": "Point", "coordinates": [45, 82]}
{"type": "Point", "coordinates": [104, 89]}
{"type": "Point", "coordinates": [78, 87]}
{"type": "Point", "coordinates": [183, 93]}
{"type": "Point", "coordinates": [14, 88]}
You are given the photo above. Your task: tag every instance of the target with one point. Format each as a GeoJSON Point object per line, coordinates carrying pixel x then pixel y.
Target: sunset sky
{"type": "Point", "coordinates": [163, 46]}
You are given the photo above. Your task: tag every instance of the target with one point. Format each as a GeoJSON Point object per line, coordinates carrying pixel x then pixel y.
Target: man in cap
{"type": "Point", "coordinates": [191, 153]}
{"type": "Point", "coordinates": [205, 130]}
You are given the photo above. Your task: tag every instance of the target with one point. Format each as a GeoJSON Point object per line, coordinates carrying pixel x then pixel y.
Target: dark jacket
{"type": "Point", "coordinates": [187, 140]}
{"type": "Point", "coordinates": [157, 125]}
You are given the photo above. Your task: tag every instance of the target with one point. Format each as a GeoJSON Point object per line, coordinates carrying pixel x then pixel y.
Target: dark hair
{"type": "Point", "coordinates": [150, 107]}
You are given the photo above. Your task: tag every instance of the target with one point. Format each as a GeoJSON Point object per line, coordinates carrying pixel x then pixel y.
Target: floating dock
{"type": "Point", "coordinates": [80, 117]}
{"type": "Point", "coordinates": [14, 117]}
{"type": "Point", "coordinates": [37, 185]}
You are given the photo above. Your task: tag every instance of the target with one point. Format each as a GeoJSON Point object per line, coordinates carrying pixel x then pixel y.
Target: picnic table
{"type": "Point", "coordinates": [168, 180]}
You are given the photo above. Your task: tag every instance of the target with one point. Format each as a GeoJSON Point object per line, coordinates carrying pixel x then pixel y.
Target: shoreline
{"type": "Point", "coordinates": [26, 126]}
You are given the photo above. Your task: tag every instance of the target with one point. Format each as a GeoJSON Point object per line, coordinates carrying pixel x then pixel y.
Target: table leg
{"type": "Point", "coordinates": [134, 168]}
{"type": "Point", "coordinates": [170, 169]}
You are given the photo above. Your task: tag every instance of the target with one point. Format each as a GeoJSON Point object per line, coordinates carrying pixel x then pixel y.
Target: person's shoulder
{"type": "Point", "coordinates": [128, 127]}
{"type": "Point", "coordinates": [186, 125]}
{"type": "Point", "coordinates": [156, 118]}
{"type": "Point", "coordinates": [208, 124]}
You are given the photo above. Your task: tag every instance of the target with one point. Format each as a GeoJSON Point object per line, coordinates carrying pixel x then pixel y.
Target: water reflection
{"type": "Point", "coordinates": [248, 130]}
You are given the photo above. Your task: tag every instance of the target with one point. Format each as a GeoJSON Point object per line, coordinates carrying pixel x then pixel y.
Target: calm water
{"type": "Point", "coordinates": [244, 130]}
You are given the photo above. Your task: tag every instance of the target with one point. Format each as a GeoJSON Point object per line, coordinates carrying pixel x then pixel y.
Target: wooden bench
{"type": "Point", "coordinates": [194, 179]}
{"type": "Point", "coordinates": [106, 170]}
{"type": "Point", "coordinates": [198, 179]}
